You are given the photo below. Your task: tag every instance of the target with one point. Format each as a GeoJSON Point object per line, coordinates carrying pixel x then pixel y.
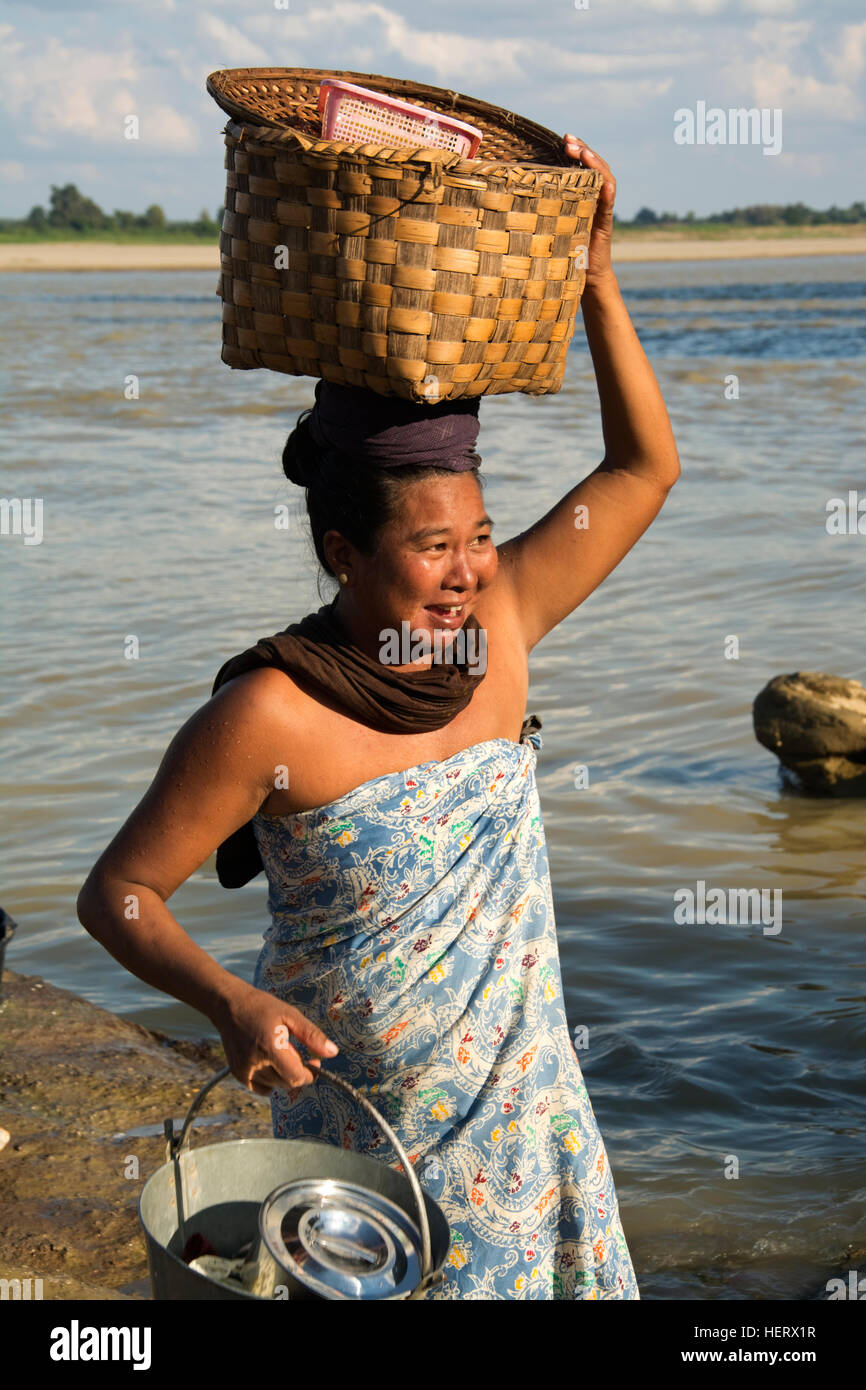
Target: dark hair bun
{"type": "Point", "coordinates": [300, 455]}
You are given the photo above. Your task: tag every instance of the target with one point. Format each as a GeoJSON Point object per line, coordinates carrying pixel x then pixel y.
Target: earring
{"type": "Point", "coordinates": [343, 578]}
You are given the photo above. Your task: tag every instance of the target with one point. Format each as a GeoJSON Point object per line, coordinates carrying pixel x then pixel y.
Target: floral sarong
{"type": "Point", "coordinates": [412, 920]}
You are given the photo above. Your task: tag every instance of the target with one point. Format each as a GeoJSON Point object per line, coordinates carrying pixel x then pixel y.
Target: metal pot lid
{"type": "Point", "coordinates": [341, 1240]}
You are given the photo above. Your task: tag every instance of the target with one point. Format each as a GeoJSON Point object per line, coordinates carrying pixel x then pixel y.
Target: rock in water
{"type": "Point", "coordinates": [816, 726]}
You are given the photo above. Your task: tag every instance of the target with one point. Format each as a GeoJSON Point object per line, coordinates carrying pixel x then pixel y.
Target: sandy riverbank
{"type": "Point", "coordinates": [105, 255]}
{"type": "Point", "coordinates": [650, 246]}
{"type": "Point", "coordinates": [77, 1159]}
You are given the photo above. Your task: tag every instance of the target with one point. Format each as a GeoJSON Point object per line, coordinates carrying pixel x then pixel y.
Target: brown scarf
{"type": "Point", "coordinates": [319, 652]}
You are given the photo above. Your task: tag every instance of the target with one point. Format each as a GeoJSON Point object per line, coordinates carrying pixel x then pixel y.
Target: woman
{"type": "Point", "coordinates": [412, 916]}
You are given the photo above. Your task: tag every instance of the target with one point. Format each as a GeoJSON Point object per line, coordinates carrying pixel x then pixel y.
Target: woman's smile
{"type": "Point", "coordinates": [447, 616]}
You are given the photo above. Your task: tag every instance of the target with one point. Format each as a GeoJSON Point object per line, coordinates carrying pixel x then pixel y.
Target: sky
{"type": "Point", "coordinates": [612, 72]}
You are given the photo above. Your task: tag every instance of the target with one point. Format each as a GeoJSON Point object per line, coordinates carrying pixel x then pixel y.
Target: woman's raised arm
{"type": "Point", "coordinates": [556, 563]}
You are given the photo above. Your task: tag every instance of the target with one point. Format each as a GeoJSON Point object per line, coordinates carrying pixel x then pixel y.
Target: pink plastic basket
{"type": "Point", "coordinates": [361, 116]}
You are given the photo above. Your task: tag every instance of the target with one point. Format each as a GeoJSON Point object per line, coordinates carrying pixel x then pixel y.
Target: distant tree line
{"type": "Point", "coordinates": [69, 210]}
{"type": "Point", "coordinates": [757, 215]}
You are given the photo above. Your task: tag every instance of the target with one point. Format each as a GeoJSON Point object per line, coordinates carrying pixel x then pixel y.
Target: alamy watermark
{"type": "Point", "coordinates": [22, 516]}
{"type": "Point", "coordinates": [77, 1343]}
{"type": "Point", "coordinates": [846, 518]}
{"type": "Point", "coordinates": [732, 906]}
{"type": "Point", "coordinates": [20, 1289]}
{"type": "Point", "coordinates": [465, 646]}
{"type": "Point", "coordinates": [855, 1289]}
{"type": "Point", "coordinates": [739, 125]}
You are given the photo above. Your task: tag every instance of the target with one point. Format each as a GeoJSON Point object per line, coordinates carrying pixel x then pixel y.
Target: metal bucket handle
{"type": "Point", "coordinates": [174, 1147]}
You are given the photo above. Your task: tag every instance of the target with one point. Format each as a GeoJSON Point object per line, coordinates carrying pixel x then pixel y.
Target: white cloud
{"type": "Point", "coordinates": [453, 57]}
{"type": "Point", "coordinates": [13, 172]}
{"type": "Point", "coordinates": [188, 65]}
{"type": "Point", "coordinates": [235, 49]}
{"type": "Point", "coordinates": [775, 67]}
{"type": "Point", "coordinates": [783, 38]}
{"type": "Point", "coordinates": [56, 90]}
{"type": "Point", "coordinates": [724, 8]}
{"type": "Point", "coordinates": [848, 63]}
{"type": "Point", "coordinates": [591, 112]}
{"type": "Point", "coordinates": [799, 164]}
{"type": "Point", "coordinates": [628, 94]}
{"type": "Point", "coordinates": [775, 84]}
{"type": "Point", "coordinates": [168, 129]}
{"type": "Point", "coordinates": [607, 64]}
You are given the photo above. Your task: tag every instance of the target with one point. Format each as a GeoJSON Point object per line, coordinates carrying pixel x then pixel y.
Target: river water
{"type": "Point", "coordinates": [725, 1062]}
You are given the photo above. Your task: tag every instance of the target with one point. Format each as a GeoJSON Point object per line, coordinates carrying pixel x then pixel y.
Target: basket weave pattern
{"type": "Point", "coordinates": [412, 272]}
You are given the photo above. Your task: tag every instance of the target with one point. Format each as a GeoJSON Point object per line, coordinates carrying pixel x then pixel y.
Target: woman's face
{"type": "Point", "coordinates": [437, 553]}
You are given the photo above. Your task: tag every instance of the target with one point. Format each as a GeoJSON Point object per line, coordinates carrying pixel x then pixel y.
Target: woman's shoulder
{"type": "Point", "coordinates": [266, 692]}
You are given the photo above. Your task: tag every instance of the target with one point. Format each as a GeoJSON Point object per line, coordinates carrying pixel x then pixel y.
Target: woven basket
{"type": "Point", "coordinates": [412, 272]}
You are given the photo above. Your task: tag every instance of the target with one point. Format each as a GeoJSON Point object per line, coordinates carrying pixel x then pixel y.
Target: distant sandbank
{"type": "Point", "coordinates": [648, 246]}
{"type": "Point", "coordinates": [658, 247]}
{"type": "Point", "coordinates": [106, 255]}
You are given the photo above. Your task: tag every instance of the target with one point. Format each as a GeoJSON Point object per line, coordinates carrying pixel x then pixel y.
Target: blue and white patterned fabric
{"type": "Point", "coordinates": [413, 922]}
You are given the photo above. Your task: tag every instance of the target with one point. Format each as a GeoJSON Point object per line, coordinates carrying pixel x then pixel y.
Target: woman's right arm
{"type": "Point", "coordinates": [216, 772]}
{"type": "Point", "coordinates": [555, 564]}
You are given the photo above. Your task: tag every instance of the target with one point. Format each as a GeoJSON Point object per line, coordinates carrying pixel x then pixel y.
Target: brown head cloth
{"type": "Point", "coordinates": [389, 431]}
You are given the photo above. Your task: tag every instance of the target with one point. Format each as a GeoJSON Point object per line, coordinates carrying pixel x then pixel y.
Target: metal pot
{"type": "Point", "coordinates": [323, 1222]}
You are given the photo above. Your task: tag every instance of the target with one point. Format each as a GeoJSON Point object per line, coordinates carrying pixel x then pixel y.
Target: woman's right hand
{"type": "Point", "coordinates": [257, 1030]}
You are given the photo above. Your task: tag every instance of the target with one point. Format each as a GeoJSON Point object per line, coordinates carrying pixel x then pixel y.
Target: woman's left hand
{"type": "Point", "coordinates": [600, 266]}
